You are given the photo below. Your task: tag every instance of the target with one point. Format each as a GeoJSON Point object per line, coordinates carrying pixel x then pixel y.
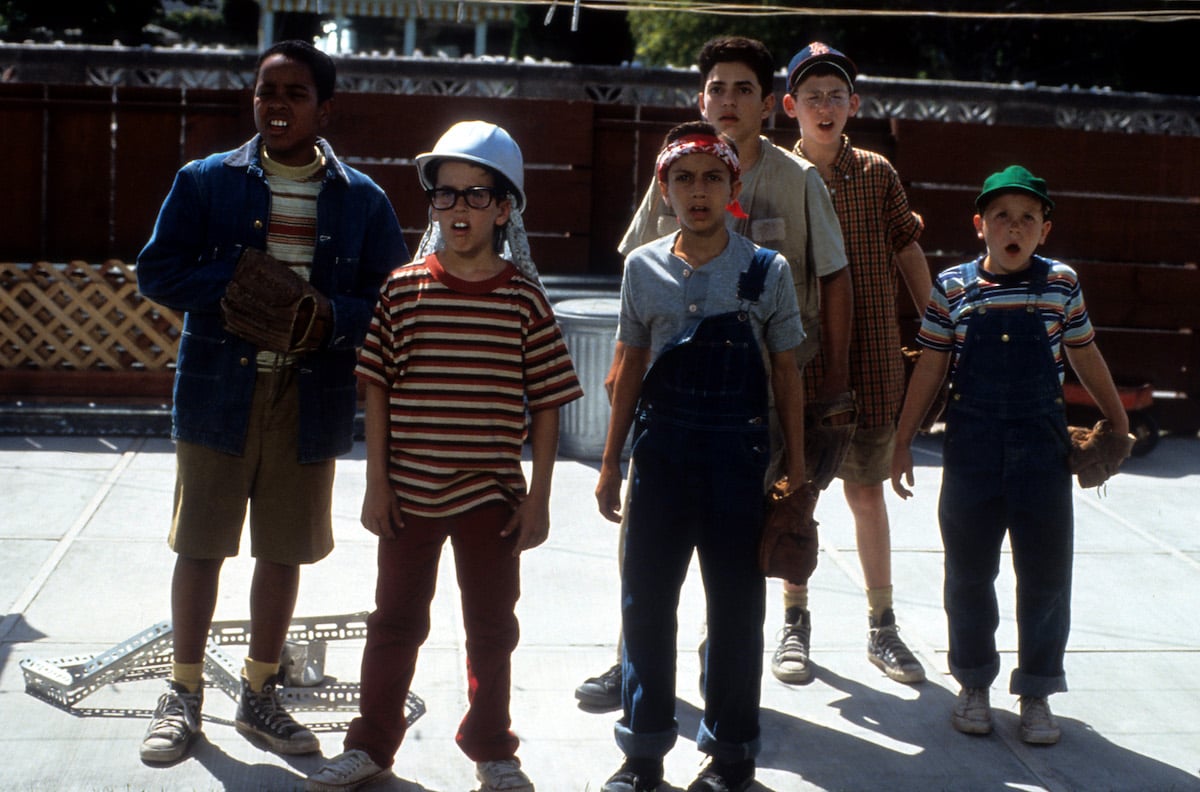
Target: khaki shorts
{"type": "Point", "coordinates": [290, 503]}
{"type": "Point", "coordinates": [869, 460]}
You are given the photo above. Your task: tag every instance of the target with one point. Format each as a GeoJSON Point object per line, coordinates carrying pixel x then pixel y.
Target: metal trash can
{"type": "Point", "coordinates": [589, 327]}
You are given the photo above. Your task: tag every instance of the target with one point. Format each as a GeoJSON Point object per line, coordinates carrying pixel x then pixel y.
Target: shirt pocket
{"type": "Point", "coordinates": [768, 229]}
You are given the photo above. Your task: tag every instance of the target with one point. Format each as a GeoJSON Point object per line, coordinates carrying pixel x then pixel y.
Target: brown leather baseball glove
{"type": "Point", "coordinates": [1097, 453]}
{"type": "Point", "coordinates": [274, 308]}
{"type": "Point", "coordinates": [788, 548]}
{"type": "Point", "coordinates": [828, 429]}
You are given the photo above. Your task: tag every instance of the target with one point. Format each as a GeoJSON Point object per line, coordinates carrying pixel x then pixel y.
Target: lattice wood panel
{"type": "Point", "coordinates": [82, 316]}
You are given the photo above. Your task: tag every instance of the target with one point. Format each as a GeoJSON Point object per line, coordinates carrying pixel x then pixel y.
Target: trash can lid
{"type": "Point", "coordinates": [604, 309]}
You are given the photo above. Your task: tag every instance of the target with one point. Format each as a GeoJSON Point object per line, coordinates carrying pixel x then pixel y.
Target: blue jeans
{"type": "Point", "coordinates": [694, 487]}
{"type": "Point", "coordinates": [1007, 476]}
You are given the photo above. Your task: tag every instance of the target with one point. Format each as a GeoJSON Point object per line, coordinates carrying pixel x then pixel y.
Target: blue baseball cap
{"type": "Point", "coordinates": [815, 54]}
{"type": "Point", "coordinates": [1014, 178]}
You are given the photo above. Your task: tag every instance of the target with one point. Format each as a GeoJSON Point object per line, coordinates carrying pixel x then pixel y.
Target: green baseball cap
{"type": "Point", "coordinates": [1014, 178]}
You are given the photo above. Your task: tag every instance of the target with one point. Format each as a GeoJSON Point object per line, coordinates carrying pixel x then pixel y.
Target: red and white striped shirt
{"type": "Point", "coordinates": [462, 362]}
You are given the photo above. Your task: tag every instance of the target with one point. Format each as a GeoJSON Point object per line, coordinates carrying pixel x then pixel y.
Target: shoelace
{"type": "Point", "coordinates": [888, 641]}
{"type": "Point", "coordinates": [348, 763]}
{"type": "Point", "coordinates": [503, 773]}
{"type": "Point", "coordinates": [266, 704]}
{"type": "Point", "coordinates": [794, 637]}
{"type": "Point", "coordinates": [1037, 713]}
{"type": "Point", "coordinates": [175, 714]}
{"type": "Point", "coordinates": [976, 699]}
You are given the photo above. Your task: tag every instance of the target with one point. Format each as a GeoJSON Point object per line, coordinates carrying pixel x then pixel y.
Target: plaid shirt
{"type": "Point", "coordinates": [876, 222]}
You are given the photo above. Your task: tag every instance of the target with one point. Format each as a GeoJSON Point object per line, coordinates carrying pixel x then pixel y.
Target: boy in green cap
{"type": "Point", "coordinates": [1000, 325]}
{"type": "Point", "coordinates": [880, 231]}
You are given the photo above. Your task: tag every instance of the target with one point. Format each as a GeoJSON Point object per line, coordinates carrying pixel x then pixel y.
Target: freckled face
{"type": "Point", "coordinates": [286, 111]}
{"type": "Point", "coordinates": [822, 104]}
{"type": "Point", "coordinates": [1012, 226]}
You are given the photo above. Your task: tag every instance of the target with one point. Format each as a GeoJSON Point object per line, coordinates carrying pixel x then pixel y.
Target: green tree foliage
{"type": "Point", "coordinates": [1122, 55]}
{"type": "Point", "coordinates": [89, 21]}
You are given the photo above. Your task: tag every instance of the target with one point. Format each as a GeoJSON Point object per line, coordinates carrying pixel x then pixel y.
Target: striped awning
{"type": "Point", "coordinates": [445, 10]}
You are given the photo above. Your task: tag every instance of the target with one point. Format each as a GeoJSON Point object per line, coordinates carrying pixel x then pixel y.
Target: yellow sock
{"type": "Point", "coordinates": [797, 598]}
{"type": "Point", "coordinates": [257, 673]}
{"type": "Point", "coordinates": [879, 600]}
{"type": "Point", "coordinates": [189, 675]}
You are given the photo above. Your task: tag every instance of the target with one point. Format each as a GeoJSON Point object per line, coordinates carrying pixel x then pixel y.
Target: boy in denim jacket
{"type": "Point", "coordinates": [253, 426]}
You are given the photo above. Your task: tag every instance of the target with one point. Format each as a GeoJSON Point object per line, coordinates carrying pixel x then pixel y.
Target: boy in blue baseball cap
{"type": "Point", "coordinates": [1000, 325]}
{"type": "Point", "coordinates": [880, 231]}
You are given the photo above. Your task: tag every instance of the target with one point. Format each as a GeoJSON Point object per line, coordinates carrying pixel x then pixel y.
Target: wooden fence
{"type": "Point", "coordinates": [93, 163]}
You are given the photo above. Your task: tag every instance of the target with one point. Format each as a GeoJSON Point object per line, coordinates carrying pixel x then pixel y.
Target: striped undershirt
{"type": "Point", "coordinates": [292, 227]}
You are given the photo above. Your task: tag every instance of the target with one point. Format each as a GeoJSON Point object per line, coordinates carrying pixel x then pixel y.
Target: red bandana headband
{"type": "Point", "coordinates": [697, 144]}
{"type": "Point", "coordinates": [701, 144]}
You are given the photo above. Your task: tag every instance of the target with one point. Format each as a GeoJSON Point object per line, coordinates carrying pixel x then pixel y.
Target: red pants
{"type": "Point", "coordinates": [489, 582]}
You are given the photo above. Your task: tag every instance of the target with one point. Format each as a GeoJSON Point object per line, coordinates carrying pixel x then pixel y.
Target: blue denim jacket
{"type": "Point", "coordinates": [220, 205]}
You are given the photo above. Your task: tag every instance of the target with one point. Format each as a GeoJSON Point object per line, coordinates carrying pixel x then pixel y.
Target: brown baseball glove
{"type": "Point", "coordinates": [1097, 453]}
{"type": "Point", "coordinates": [271, 306]}
{"type": "Point", "coordinates": [789, 540]}
{"type": "Point", "coordinates": [828, 429]}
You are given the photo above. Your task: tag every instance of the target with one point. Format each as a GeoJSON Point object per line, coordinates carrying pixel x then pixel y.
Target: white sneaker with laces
{"type": "Point", "coordinates": [972, 711]}
{"type": "Point", "coordinates": [1038, 725]}
{"type": "Point", "coordinates": [175, 723]}
{"type": "Point", "coordinates": [348, 770]}
{"type": "Point", "coordinates": [502, 775]}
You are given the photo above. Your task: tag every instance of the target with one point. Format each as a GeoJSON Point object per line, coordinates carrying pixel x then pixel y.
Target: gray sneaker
{"type": "Point", "coordinates": [887, 652]}
{"type": "Point", "coordinates": [1038, 725]}
{"type": "Point", "coordinates": [262, 715]}
{"type": "Point", "coordinates": [502, 775]}
{"type": "Point", "coordinates": [972, 711]}
{"type": "Point", "coordinates": [175, 722]}
{"type": "Point", "coordinates": [790, 662]}
{"type": "Point", "coordinates": [346, 771]}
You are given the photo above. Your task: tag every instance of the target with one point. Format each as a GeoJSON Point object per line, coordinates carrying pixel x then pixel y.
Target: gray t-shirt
{"type": "Point", "coordinates": [661, 293]}
{"type": "Point", "coordinates": [789, 210]}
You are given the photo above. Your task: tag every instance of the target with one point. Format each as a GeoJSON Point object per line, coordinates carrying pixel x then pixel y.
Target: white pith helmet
{"type": "Point", "coordinates": [482, 143]}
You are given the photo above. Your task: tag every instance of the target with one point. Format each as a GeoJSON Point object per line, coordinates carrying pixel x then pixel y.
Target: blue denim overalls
{"type": "Point", "coordinates": [700, 453]}
{"type": "Point", "coordinates": [1005, 469]}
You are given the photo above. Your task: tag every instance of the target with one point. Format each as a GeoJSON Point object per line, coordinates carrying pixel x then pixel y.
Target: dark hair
{"type": "Point", "coordinates": [695, 128]}
{"type": "Point", "coordinates": [739, 49]}
{"type": "Point", "coordinates": [324, 73]}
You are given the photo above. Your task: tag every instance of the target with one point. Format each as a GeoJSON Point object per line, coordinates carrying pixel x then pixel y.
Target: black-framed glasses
{"type": "Point", "coordinates": [476, 197]}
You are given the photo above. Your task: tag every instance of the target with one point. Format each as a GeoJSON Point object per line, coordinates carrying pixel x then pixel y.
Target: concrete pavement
{"type": "Point", "coordinates": [85, 566]}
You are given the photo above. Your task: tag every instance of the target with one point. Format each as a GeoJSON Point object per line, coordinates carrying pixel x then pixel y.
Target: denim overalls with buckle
{"type": "Point", "coordinates": [700, 454]}
{"type": "Point", "coordinates": [1005, 470]}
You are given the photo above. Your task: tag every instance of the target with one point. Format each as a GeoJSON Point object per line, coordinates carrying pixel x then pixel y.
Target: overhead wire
{"type": "Point", "coordinates": [762, 10]}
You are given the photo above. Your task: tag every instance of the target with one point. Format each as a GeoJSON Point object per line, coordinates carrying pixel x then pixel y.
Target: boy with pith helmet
{"type": "Point", "coordinates": [261, 426]}
{"type": "Point", "coordinates": [880, 231]}
{"type": "Point", "coordinates": [1000, 325]}
{"type": "Point", "coordinates": [785, 206]}
{"type": "Point", "coordinates": [462, 351]}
